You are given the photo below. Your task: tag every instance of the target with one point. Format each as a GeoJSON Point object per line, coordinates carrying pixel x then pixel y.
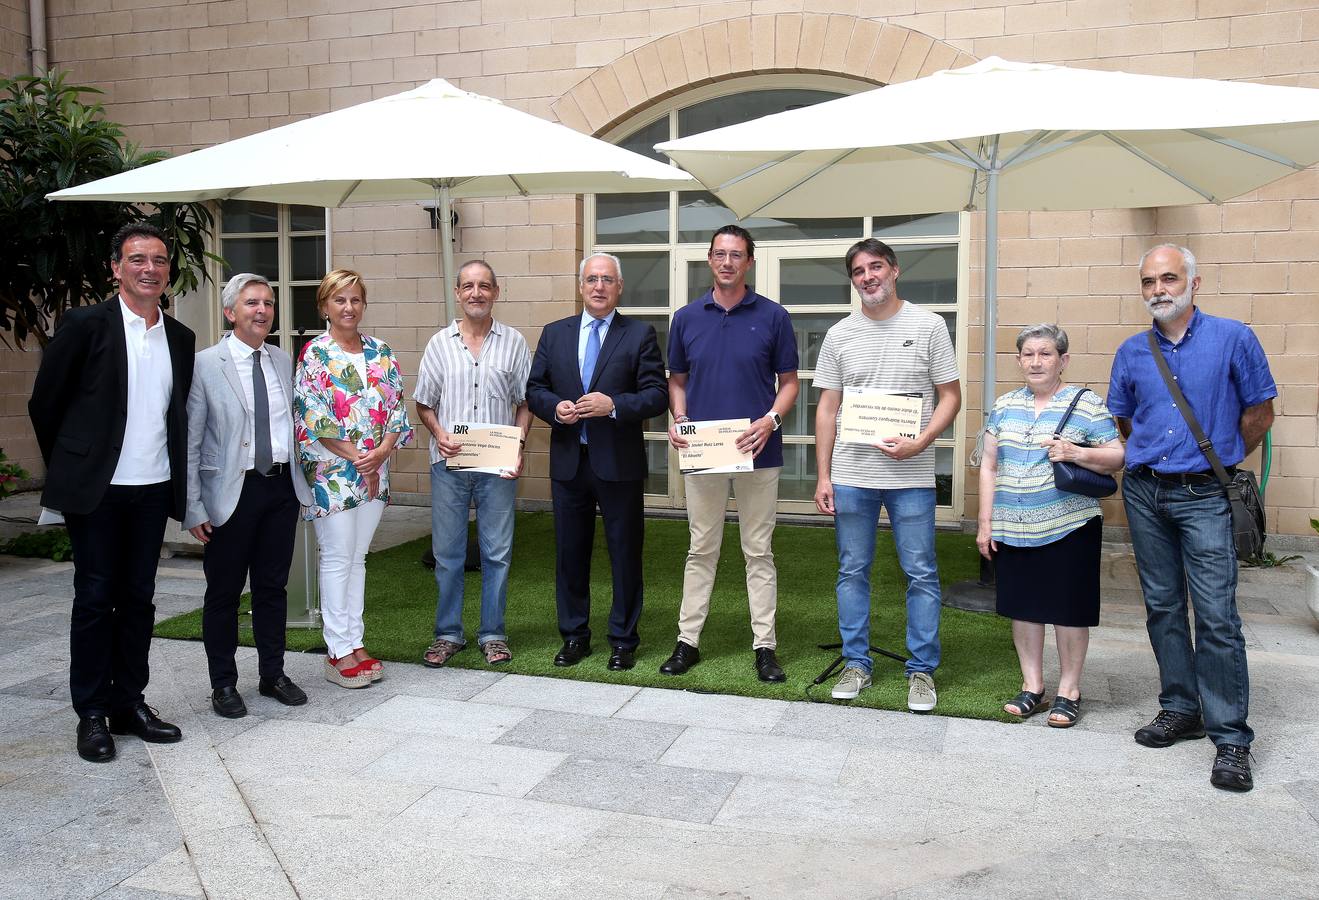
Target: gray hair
{"type": "Point", "coordinates": [1187, 257]}
{"type": "Point", "coordinates": [458, 279]}
{"type": "Point", "coordinates": [618, 265]}
{"type": "Point", "coordinates": [1046, 330]}
{"type": "Point", "coordinates": [235, 287]}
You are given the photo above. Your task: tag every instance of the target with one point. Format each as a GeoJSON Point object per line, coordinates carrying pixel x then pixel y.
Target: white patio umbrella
{"type": "Point", "coordinates": [1007, 135]}
{"type": "Point", "coordinates": [433, 142]}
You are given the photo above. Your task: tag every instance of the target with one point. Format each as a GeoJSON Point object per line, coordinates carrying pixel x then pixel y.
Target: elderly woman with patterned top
{"type": "Point", "coordinates": [349, 416]}
{"type": "Point", "coordinates": [1045, 542]}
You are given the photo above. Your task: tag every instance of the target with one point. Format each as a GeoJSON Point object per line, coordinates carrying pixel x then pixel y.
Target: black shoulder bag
{"type": "Point", "coordinates": [1242, 489]}
{"type": "Point", "coordinates": [1077, 479]}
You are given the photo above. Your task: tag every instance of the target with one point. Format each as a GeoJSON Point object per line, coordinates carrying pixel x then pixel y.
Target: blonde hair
{"type": "Point", "coordinates": [335, 282]}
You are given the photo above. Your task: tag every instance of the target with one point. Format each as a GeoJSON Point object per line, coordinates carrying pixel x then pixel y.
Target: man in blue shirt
{"type": "Point", "coordinates": [1180, 519]}
{"type": "Point", "coordinates": [726, 349]}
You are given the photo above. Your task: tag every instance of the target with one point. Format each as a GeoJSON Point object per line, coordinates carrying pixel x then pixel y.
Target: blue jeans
{"type": "Point", "coordinates": [452, 493]}
{"type": "Point", "coordinates": [1182, 536]}
{"type": "Point", "coordinates": [911, 511]}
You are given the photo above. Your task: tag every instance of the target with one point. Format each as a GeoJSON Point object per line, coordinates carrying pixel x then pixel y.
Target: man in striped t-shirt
{"type": "Point", "coordinates": [897, 348]}
{"type": "Point", "coordinates": [474, 371]}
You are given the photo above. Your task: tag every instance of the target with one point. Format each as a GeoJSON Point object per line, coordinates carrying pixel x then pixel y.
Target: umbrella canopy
{"type": "Point", "coordinates": [1008, 135]}
{"type": "Point", "coordinates": [433, 142]}
{"type": "Point", "coordinates": [397, 148]}
{"type": "Point", "coordinates": [1058, 138]}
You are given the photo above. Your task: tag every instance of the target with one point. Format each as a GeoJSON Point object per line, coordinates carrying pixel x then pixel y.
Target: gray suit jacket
{"type": "Point", "coordinates": [218, 424]}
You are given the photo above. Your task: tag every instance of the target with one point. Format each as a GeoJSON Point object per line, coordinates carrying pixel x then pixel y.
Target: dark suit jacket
{"type": "Point", "coordinates": [629, 369]}
{"type": "Point", "coordinates": [80, 403]}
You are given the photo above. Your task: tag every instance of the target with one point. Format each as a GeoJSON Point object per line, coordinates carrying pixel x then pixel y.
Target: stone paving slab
{"type": "Point", "coordinates": [645, 789]}
{"type": "Point", "coordinates": [558, 694]}
{"type": "Point", "coordinates": [173, 875]}
{"type": "Point", "coordinates": [457, 782]}
{"type": "Point", "coordinates": [465, 765]}
{"type": "Point", "coordinates": [772, 755]}
{"type": "Point", "coordinates": [441, 718]}
{"type": "Point", "coordinates": [516, 829]}
{"type": "Point", "coordinates": [678, 707]}
{"type": "Point", "coordinates": [593, 737]}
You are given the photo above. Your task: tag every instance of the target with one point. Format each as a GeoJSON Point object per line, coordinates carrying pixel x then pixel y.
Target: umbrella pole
{"type": "Point", "coordinates": [444, 210]}
{"type": "Point", "coordinates": [981, 595]}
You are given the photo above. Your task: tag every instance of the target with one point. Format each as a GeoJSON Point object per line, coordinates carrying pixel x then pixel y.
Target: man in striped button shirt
{"type": "Point", "coordinates": [474, 371]}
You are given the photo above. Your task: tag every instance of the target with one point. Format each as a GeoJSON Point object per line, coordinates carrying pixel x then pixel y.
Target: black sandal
{"type": "Point", "coordinates": [1027, 702]}
{"type": "Point", "coordinates": [1069, 710]}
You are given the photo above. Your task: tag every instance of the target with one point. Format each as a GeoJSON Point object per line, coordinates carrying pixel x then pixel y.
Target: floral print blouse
{"type": "Point", "coordinates": [332, 399]}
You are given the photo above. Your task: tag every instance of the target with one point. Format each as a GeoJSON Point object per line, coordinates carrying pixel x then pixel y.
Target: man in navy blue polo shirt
{"type": "Point", "coordinates": [1180, 519]}
{"type": "Point", "coordinates": [725, 351]}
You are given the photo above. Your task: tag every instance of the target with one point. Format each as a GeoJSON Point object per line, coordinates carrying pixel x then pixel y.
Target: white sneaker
{"type": "Point", "coordinates": [921, 695]}
{"type": "Point", "coordinates": [854, 680]}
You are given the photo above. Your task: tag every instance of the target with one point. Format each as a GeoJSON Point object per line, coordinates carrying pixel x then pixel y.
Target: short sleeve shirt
{"type": "Point", "coordinates": [1029, 510]}
{"type": "Point", "coordinates": [1220, 367]}
{"type": "Point", "coordinates": [731, 358]}
{"type": "Point", "coordinates": [908, 353]}
{"type": "Point", "coordinates": [461, 388]}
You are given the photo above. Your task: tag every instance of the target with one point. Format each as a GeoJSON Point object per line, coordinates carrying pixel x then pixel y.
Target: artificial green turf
{"type": "Point", "coordinates": [978, 673]}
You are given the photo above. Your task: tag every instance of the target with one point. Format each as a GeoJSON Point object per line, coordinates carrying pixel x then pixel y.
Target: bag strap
{"type": "Point", "coordinates": [1058, 431]}
{"type": "Point", "coordinates": [1206, 446]}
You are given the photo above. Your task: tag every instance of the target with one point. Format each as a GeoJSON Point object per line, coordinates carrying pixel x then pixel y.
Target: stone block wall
{"type": "Point", "coordinates": [182, 75]}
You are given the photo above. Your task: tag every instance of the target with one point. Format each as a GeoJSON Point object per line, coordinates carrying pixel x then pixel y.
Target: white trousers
{"type": "Point", "coordinates": [344, 538]}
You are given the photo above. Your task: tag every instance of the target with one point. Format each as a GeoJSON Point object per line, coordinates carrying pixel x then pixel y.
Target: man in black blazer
{"type": "Point", "coordinates": [595, 379]}
{"type": "Point", "coordinates": [109, 407]}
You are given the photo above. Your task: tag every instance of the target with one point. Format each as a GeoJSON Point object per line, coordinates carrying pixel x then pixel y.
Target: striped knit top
{"type": "Point", "coordinates": [1029, 511]}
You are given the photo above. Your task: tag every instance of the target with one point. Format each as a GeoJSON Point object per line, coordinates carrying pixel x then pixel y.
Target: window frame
{"type": "Point", "coordinates": [770, 252]}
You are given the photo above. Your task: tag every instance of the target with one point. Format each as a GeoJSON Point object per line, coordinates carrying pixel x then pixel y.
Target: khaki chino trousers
{"type": "Point", "coordinates": [757, 495]}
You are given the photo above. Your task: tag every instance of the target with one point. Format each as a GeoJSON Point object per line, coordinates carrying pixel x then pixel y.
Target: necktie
{"type": "Point", "coordinates": [588, 360]}
{"type": "Point", "coordinates": [263, 456]}
{"type": "Point", "coordinates": [592, 353]}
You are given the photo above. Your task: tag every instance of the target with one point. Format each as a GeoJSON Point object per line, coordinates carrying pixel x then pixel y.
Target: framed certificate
{"type": "Point", "coordinates": [486, 448]}
{"type": "Point", "coordinates": [870, 415]}
{"type": "Point", "coordinates": [712, 447]}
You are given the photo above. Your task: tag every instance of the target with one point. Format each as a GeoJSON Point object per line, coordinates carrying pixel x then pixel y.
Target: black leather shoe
{"type": "Point", "coordinates": [767, 666]}
{"type": "Point", "coordinates": [684, 657]}
{"type": "Point", "coordinates": [283, 690]}
{"type": "Point", "coordinates": [227, 702]}
{"type": "Point", "coordinates": [1168, 728]}
{"type": "Point", "coordinates": [574, 650]}
{"type": "Point", "coordinates": [1231, 770]}
{"type": "Point", "coordinates": [141, 720]}
{"type": "Point", "coordinates": [621, 660]}
{"type": "Point", "coordinates": [94, 741]}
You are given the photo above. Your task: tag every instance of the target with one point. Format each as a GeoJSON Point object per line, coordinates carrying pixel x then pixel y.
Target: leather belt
{"type": "Point", "coordinates": [275, 469]}
{"type": "Point", "coordinates": [1205, 476]}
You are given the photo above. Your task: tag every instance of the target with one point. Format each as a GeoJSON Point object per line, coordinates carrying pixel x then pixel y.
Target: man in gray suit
{"type": "Point", "coordinates": [244, 491]}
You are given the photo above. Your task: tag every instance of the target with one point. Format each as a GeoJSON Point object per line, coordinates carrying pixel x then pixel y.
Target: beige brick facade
{"type": "Point", "coordinates": [182, 75]}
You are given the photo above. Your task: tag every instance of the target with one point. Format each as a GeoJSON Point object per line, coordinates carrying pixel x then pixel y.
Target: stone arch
{"type": "Point", "coordinates": [862, 49]}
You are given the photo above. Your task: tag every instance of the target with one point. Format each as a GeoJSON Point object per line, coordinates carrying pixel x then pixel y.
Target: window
{"type": "Point", "coordinates": [288, 245]}
{"type": "Point", "coordinates": [662, 239]}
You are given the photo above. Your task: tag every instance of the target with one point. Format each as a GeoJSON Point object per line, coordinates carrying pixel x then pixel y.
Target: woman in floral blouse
{"type": "Point", "coordinates": [348, 400]}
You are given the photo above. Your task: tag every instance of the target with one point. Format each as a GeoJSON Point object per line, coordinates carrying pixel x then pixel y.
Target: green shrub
{"type": "Point", "coordinates": [50, 544]}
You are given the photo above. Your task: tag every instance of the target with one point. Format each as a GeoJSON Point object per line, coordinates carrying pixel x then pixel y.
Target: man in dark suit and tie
{"type": "Point", "coordinates": [109, 411]}
{"type": "Point", "coordinates": [595, 379]}
{"type": "Point", "coordinates": [244, 491]}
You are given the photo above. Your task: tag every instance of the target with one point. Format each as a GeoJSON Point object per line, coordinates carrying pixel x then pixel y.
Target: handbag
{"type": "Point", "coordinates": [1077, 479]}
{"type": "Point", "coordinates": [1241, 488]}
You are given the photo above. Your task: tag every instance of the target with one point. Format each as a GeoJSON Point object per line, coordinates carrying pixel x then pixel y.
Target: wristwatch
{"type": "Point", "coordinates": [775, 418]}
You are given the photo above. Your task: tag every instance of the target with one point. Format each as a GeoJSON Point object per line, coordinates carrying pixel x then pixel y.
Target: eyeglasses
{"type": "Point", "coordinates": [606, 280]}
{"type": "Point", "coordinates": [735, 256]}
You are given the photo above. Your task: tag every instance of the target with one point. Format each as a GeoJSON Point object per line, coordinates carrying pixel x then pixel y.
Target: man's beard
{"type": "Point", "coordinates": [874, 300]}
{"type": "Point", "coordinates": [1166, 313]}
